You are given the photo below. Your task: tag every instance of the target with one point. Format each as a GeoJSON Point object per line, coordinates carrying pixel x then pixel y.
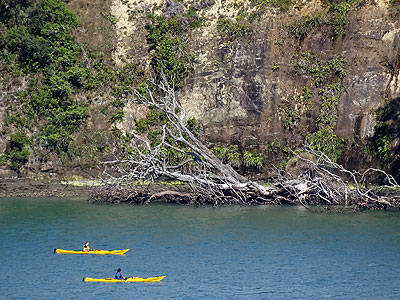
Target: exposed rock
{"type": "Point", "coordinates": [7, 173]}
{"type": "Point", "coordinates": [238, 85]}
{"type": "Point", "coordinates": [21, 187]}
{"type": "Point", "coordinates": [172, 8]}
{"type": "Point", "coordinates": [234, 91]}
{"type": "Point", "coordinates": [296, 166]}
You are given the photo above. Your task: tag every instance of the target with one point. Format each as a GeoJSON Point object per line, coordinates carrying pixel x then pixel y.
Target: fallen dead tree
{"type": "Point", "coordinates": [320, 181]}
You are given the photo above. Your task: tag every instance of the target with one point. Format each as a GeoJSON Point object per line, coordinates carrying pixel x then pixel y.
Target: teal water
{"type": "Point", "coordinates": [206, 253]}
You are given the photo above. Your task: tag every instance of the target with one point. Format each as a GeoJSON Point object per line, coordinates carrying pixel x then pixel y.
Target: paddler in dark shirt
{"type": "Point", "coordinates": [118, 275]}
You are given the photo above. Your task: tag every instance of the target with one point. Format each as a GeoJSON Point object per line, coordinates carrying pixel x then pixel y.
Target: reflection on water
{"type": "Point", "coordinates": [223, 253]}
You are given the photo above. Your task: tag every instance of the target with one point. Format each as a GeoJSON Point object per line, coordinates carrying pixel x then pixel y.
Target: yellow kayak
{"type": "Point", "coordinates": [94, 251]}
{"type": "Point", "coordinates": [129, 279]}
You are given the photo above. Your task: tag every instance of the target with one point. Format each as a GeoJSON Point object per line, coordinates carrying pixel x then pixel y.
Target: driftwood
{"type": "Point", "coordinates": [320, 181]}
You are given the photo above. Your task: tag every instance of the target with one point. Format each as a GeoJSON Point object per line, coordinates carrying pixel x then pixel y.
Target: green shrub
{"type": "Point", "coordinates": [337, 15]}
{"type": "Point", "coordinates": [154, 118]}
{"type": "Point", "coordinates": [193, 126]}
{"type": "Point", "coordinates": [12, 12]}
{"type": "Point", "coordinates": [335, 18]}
{"type": "Point", "coordinates": [229, 154]}
{"type": "Point", "coordinates": [195, 21]}
{"type": "Point", "coordinates": [252, 159]}
{"type": "Point", "coordinates": [118, 116]}
{"type": "Point", "coordinates": [321, 71]}
{"type": "Point", "coordinates": [55, 12]}
{"type": "Point", "coordinates": [326, 141]}
{"type": "Point", "coordinates": [78, 76]}
{"type": "Point", "coordinates": [17, 150]}
{"type": "Point", "coordinates": [167, 42]}
{"type": "Point", "coordinates": [325, 138]}
{"type": "Point", "coordinates": [328, 76]}
{"type": "Point", "coordinates": [58, 87]}
{"type": "Point", "coordinates": [113, 19]}
{"type": "Point", "coordinates": [290, 109]}
{"type": "Point", "coordinates": [33, 51]}
{"type": "Point", "coordinates": [234, 29]}
{"type": "Point", "coordinates": [305, 25]}
{"type": "Point", "coordinates": [55, 138]}
{"type": "Point", "coordinates": [4, 159]}
{"type": "Point", "coordinates": [283, 5]}
{"type": "Point", "coordinates": [383, 144]}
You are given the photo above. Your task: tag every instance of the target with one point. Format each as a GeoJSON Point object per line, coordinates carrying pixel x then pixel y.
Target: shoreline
{"type": "Point", "coordinates": [37, 188]}
{"type": "Point", "coordinates": [28, 187]}
{"type": "Point", "coordinates": [24, 187]}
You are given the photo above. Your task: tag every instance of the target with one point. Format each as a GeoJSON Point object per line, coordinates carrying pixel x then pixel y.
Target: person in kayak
{"type": "Point", "coordinates": [118, 275]}
{"type": "Point", "coordinates": [86, 247]}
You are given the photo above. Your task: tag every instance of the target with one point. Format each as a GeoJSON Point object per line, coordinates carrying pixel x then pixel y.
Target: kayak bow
{"type": "Point", "coordinates": [129, 279]}
{"type": "Point", "coordinates": [115, 252]}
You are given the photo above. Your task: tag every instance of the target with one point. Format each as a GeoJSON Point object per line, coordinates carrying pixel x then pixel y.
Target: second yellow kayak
{"type": "Point", "coordinates": [129, 279]}
{"type": "Point", "coordinates": [114, 252]}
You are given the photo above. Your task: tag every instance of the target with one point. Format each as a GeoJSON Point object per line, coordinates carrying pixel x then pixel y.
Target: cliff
{"type": "Point", "coordinates": [263, 75]}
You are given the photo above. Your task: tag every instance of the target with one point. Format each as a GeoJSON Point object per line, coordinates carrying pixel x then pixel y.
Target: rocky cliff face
{"type": "Point", "coordinates": [267, 77]}
{"type": "Point", "coordinates": [240, 86]}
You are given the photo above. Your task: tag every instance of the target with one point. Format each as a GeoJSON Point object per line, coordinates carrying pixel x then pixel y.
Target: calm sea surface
{"type": "Point", "coordinates": [206, 253]}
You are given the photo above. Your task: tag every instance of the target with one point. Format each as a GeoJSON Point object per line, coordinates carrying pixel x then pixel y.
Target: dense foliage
{"type": "Point", "coordinates": [38, 42]}
{"type": "Point", "coordinates": [56, 76]}
{"type": "Point", "coordinates": [17, 151]}
{"type": "Point", "coordinates": [167, 38]}
{"type": "Point", "coordinates": [243, 160]}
